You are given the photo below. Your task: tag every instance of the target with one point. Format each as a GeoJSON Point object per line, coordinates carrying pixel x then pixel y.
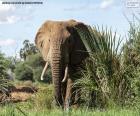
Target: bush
{"type": "Point", "coordinates": [37, 63]}
{"type": "Point", "coordinates": [35, 60]}
{"type": "Point", "coordinates": [23, 72]}
{"type": "Point", "coordinates": [4, 82]}
{"type": "Point", "coordinates": [131, 58]}
{"type": "Point", "coordinates": [105, 78]}
{"type": "Point", "coordinates": [3, 66]}
{"type": "Point", "coordinates": [31, 69]}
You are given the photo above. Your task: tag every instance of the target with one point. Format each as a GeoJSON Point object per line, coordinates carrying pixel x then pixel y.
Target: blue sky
{"type": "Point", "coordinates": [20, 22]}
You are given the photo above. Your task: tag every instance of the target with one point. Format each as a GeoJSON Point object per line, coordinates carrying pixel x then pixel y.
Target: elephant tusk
{"type": "Point", "coordinates": [43, 72]}
{"type": "Point", "coordinates": [66, 74]}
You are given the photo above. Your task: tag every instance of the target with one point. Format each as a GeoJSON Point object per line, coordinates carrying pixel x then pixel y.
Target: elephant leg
{"type": "Point", "coordinates": [67, 102]}
{"type": "Point", "coordinates": [76, 97]}
{"type": "Point", "coordinates": [63, 91]}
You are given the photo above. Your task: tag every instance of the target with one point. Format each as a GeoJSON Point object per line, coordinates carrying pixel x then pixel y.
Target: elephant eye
{"type": "Point", "coordinates": [41, 44]}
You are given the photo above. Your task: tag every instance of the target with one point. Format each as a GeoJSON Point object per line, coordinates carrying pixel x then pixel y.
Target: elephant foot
{"type": "Point", "coordinates": [75, 106]}
{"type": "Point", "coordinates": [67, 105]}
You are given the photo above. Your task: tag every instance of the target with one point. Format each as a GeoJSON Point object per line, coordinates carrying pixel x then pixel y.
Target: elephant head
{"type": "Point", "coordinates": [61, 46]}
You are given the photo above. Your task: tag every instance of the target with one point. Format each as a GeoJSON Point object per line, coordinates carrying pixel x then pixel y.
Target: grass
{"type": "Point", "coordinates": [36, 107]}
{"type": "Point", "coordinates": [11, 110]}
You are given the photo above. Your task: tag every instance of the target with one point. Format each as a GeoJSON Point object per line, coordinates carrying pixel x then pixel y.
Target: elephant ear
{"type": "Point", "coordinates": [42, 41]}
{"type": "Point", "coordinates": [39, 36]}
{"type": "Point", "coordinates": [79, 51]}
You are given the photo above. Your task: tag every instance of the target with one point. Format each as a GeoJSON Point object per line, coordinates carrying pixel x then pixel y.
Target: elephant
{"type": "Point", "coordinates": [62, 48]}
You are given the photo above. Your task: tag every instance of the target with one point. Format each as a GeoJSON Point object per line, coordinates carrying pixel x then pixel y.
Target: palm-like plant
{"type": "Point", "coordinates": [103, 75]}
{"type": "Point", "coordinates": [4, 83]}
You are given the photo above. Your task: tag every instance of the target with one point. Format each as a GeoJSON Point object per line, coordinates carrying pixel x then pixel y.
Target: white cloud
{"type": "Point", "coordinates": [9, 19]}
{"type": "Point", "coordinates": [12, 19]}
{"type": "Point", "coordinates": [9, 13]}
{"type": "Point", "coordinates": [7, 42]}
{"type": "Point", "coordinates": [6, 13]}
{"type": "Point", "coordinates": [6, 8]}
{"type": "Point", "coordinates": [106, 3]}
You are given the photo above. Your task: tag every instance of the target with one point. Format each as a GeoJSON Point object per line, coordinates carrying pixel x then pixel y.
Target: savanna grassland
{"type": "Point", "coordinates": [40, 104]}
{"type": "Point", "coordinates": [109, 83]}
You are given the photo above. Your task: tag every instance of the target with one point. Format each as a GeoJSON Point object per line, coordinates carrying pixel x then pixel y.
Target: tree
{"type": "Point", "coordinates": [28, 49]}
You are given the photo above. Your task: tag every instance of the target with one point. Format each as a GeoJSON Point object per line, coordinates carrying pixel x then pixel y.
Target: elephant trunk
{"type": "Point", "coordinates": [57, 74]}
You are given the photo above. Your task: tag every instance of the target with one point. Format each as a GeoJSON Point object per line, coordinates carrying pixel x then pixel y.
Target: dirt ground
{"type": "Point", "coordinates": [18, 94]}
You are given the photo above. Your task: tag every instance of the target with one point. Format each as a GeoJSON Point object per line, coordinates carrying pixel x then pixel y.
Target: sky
{"type": "Point", "coordinates": [20, 22]}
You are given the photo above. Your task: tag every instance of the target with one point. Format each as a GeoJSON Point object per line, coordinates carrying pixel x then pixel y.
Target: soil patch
{"type": "Point", "coordinates": [18, 94]}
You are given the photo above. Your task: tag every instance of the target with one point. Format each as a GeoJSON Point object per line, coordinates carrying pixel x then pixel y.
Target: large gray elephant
{"type": "Point", "coordinates": [62, 48]}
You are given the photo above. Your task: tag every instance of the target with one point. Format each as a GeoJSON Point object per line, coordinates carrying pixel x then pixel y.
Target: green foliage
{"type": "Point", "coordinates": [104, 79]}
{"type": "Point", "coordinates": [131, 49]}
{"type": "Point", "coordinates": [4, 82]}
{"type": "Point", "coordinates": [13, 111]}
{"type": "Point", "coordinates": [2, 66]}
{"type": "Point", "coordinates": [47, 76]}
{"type": "Point", "coordinates": [37, 63]}
{"type": "Point", "coordinates": [23, 72]}
{"type": "Point", "coordinates": [111, 74]}
{"type": "Point", "coordinates": [44, 97]}
{"type": "Point", "coordinates": [35, 60]}
{"type": "Point", "coordinates": [11, 62]}
{"type": "Point", "coordinates": [28, 49]}
{"type": "Point", "coordinates": [131, 58]}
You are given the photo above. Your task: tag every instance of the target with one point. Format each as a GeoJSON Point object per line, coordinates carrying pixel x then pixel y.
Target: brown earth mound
{"type": "Point", "coordinates": [18, 94]}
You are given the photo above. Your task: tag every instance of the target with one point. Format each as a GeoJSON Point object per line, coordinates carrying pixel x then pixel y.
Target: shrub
{"type": "Point", "coordinates": [35, 60]}
{"type": "Point", "coordinates": [23, 72]}
{"type": "Point", "coordinates": [4, 82]}
{"type": "Point", "coordinates": [31, 69]}
{"type": "Point", "coordinates": [37, 63]}
{"type": "Point", "coordinates": [3, 66]}
{"type": "Point", "coordinates": [131, 58]}
{"type": "Point", "coordinates": [105, 79]}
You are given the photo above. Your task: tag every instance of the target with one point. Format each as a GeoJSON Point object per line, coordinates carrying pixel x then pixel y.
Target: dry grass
{"type": "Point", "coordinates": [20, 96]}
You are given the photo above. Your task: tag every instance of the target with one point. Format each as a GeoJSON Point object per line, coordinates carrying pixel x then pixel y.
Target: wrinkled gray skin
{"type": "Point", "coordinates": [61, 47]}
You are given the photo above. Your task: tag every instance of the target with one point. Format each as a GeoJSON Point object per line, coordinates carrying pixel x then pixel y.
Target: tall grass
{"type": "Point", "coordinates": [131, 58]}
{"type": "Point", "coordinates": [105, 79]}
{"type": "Point", "coordinates": [44, 97]}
